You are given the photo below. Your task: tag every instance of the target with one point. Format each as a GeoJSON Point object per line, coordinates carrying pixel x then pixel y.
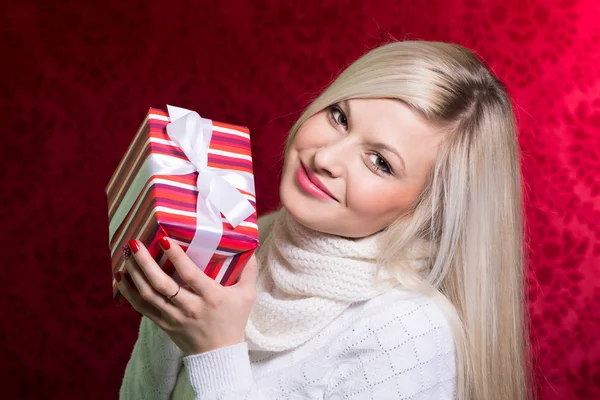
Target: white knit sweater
{"type": "Point", "coordinates": [397, 345]}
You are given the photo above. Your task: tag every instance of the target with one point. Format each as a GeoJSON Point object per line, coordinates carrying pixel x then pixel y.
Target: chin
{"type": "Point", "coordinates": [324, 222]}
{"type": "Point", "coordinates": [306, 215]}
{"type": "Point", "coordinates": [328, 223]}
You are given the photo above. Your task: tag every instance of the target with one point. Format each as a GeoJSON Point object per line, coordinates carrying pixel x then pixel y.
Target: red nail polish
{"type": "Point", "coordinates": [118, 277]}
{"type": "Point", "coordinates": [164, 243]}
{"type": "Point", "coordinates": [126, 252]}
{"type": "Point", "coordinates": [134, 246]}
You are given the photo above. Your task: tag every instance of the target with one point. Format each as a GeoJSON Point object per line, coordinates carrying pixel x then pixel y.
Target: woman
{"type": "Point", "coordinates": [394, 268]}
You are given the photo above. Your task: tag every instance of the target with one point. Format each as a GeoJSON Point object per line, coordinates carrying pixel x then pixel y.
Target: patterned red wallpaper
{"type": "Point", "coordinates": [78, 77]}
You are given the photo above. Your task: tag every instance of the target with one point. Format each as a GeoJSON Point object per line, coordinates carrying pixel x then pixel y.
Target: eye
{"type": "Point", "coordinates": [380, 164]}
{"type": "Point", "coordinates": [335, 113]}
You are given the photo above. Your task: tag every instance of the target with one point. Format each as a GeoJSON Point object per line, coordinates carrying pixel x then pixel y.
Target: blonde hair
{"type": "Point", "coordinates": [470, 211]}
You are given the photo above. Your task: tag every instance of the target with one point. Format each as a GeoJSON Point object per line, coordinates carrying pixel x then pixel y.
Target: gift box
{"type": "Point", "coordinates": [191, 179]}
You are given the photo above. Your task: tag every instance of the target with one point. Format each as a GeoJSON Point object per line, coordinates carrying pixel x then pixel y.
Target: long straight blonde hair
{"type": "Point", "coordinates": [470, 212]}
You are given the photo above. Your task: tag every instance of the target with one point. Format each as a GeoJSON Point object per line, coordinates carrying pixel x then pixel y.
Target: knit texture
{"type": "Point", "coordinates": [154, 366]}
{"type": "Point", "coordinates": [306, 279]}
{"type": "Point", "coordinates": [219, 370]}
{"type": "Point", "coordinates": [394, 346]}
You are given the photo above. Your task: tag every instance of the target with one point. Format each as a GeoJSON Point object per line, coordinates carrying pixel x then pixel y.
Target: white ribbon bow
{"type": "Point", "coordinates": [217, 191]}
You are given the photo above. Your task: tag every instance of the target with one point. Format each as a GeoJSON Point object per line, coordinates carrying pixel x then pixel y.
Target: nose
{"type": "Point", "coordinates": [330, 159]}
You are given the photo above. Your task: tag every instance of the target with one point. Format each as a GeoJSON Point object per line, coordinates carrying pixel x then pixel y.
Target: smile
{"type": "Point", "coordinates": [309, 182]}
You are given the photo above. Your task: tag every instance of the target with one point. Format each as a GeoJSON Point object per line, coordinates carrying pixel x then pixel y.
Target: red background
{"type": "Point", "coordinates": [77, 79]}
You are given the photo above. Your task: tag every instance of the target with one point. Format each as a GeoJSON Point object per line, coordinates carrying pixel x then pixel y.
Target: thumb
{"type": "Point", "coordinates": [247, 278]}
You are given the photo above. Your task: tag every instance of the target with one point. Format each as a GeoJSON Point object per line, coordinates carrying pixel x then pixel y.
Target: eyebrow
{"type": "Point", "coordinates": [346, 107]}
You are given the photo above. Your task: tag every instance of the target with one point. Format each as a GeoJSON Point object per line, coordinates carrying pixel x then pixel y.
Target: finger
{"type": "Point", "coordinates": [135, 299]}
{"type": "Point", "coordinates": [145, 289]}
{"type": "Point", "coordinates": [247, 279]}
{"type": "Point", "coordinates": [187, 270]}
{"type": "Point", "coordinates": [158, 279]}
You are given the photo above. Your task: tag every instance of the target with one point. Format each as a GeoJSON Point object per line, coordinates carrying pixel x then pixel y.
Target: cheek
{"type": "Point", "coordinates": [381, 199]}
{"type": "Point", "coordinates": [289, 161]}
{"type": "Point", "coordinates": [315, 132]}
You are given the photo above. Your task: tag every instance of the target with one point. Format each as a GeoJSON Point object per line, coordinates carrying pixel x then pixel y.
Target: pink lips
{"type": "Point", "coordinates": [311, 184]}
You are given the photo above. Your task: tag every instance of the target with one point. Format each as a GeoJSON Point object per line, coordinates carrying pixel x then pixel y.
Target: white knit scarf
{"type": "Point", "coordinates": [306, 279]}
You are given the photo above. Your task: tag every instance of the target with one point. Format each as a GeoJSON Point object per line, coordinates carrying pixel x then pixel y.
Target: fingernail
{"type": "Point", "coordinates": [118, 277]}
{"type": "Point", "coordinates": [164, 243]}
{"type": "Point", "coordinates": [126, 252]}
{"type": "Point", "coordinates": [134, 246]}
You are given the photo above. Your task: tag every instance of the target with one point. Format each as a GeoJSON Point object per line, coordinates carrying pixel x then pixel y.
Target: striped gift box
{"type": "Point", "coordinates": [166, 204]}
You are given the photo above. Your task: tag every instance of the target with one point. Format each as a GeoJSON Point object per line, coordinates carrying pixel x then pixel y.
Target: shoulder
{"type": "Point", "coordinates": [265, 224]}
{"type": "Point", "coordinates": [413, 313]}
{"type": "Point", "coordinates": [401, 337]}
{"type": "Point", "coordinates": [398, 317]}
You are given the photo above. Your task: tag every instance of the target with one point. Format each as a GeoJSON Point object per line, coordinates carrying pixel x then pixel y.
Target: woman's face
{"type": "Point", "coordinates": [355, 167]}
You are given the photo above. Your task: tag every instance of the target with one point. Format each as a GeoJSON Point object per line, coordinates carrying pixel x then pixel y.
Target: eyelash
{"type": "Point", "coordinates": [387, 170]}
{"type": "Point", "coordinates": [334, 108]}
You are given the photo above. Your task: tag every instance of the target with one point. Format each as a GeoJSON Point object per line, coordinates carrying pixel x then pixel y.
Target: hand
{"type": "Point", "coordinates": [206, 316]}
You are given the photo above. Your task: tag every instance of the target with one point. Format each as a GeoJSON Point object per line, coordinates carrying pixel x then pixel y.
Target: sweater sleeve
{"type": "Point", "coordinates": [152, 370]}
{"type": "Point", "coordinates": [405, 353]}
{"type": "Point", "coordinates": [222, 374]}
